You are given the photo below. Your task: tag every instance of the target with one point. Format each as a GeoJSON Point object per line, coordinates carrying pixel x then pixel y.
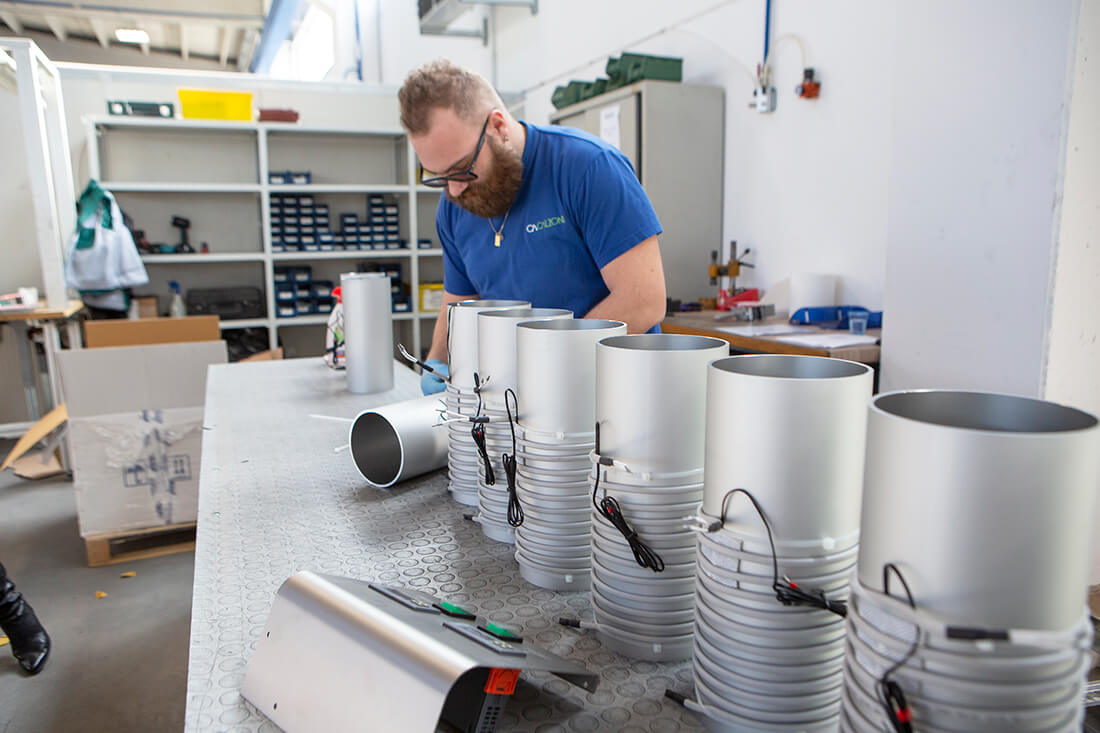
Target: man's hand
{"type": "Point", "coordinates": [431, 383]}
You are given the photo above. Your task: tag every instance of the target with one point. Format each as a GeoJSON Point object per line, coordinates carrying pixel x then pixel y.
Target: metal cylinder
{"type": "Point", "coordinates": [496, 353]}
{"type": "Point", "coordinates": [399, 441]}
{"type": "Point", "coordinates": [556, 373]}
{"type": "Point", "coordinates": [985, 503]}
{"type": "Point", "coordinates": [651, 399]}
{"type": "Point", "coordinates": [791, 430]}
{"type": "Point", "coordinates": [368, 331]}
{"type": "Point", "coordinates": [462, 337]}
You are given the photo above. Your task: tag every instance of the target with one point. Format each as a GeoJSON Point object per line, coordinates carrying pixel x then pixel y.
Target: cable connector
{"type": "Point", "coordinates": [676, 697]}
{"type": "Point", "coordinates": [573, 623]}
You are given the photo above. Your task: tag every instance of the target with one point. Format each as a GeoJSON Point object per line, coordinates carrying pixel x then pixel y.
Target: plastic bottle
{"type": "Point", "coordinates": [177, 309]}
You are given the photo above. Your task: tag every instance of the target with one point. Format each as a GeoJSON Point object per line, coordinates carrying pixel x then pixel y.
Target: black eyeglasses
{"type": "Point", "coordinates": [460, 177]}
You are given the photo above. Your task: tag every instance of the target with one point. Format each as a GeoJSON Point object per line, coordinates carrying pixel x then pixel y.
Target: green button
{"type": "Point", "coordinates": [500, 631]}
{"type": "Point", "coordinates": [453, 610]}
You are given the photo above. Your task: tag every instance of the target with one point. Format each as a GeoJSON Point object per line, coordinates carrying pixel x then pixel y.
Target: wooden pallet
{"type": "Point", "coordinates": [137, 544]}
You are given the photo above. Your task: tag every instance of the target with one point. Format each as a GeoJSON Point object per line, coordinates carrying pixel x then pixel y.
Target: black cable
{"type": "Point", "coordinates": [478, 434]}
{"type": "Point", "coordinates": [609, 509]}
{"type": "Point", "coordinates": [893, 697]}
{"type": "Point", "coordinates": [515, 509]}
{"type": "Point", "coordinates": [786, 592]}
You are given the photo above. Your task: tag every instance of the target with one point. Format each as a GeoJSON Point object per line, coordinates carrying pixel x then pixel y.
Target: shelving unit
{"type": "Point", "coordinates": [217, 175]}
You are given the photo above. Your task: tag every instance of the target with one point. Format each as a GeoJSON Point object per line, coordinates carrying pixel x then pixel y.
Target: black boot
{"type": "Point", "coordinates": [29, 641]}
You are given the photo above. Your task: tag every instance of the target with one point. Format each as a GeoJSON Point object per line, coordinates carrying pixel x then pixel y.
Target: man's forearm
{"type": "Point", "coordinates": [639, 314]}
{"type": "Point", "coordinates": [438, 351]}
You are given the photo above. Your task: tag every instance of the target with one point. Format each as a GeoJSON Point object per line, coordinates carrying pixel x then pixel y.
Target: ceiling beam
{"type": "Point", "coordinates": [57, 27]}
{"type": "Point", "coordinates": [224, 34]}
{"type": "Point", "coordinates": [249, 41]}
{"type": "Point", "coordinates": [102, 33]}
{"type": "Point", "coordinates": [126, 15]}
{"type": "Point", "coordinates": [141, 26]}
{"type": "Point", "coordinates": [12, 22]}
{"type": "Point", "coordinates": [185, 53]}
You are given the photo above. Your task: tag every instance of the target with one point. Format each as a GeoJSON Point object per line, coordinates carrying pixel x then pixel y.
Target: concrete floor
{"type": "Point", "coordinates": [118, 663]}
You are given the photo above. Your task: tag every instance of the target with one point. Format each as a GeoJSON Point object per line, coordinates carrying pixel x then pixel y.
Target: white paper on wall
{"type": "Point", "coordinates": [609, 125]}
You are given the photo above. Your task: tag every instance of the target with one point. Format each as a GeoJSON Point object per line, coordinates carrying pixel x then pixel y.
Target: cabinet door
{"type": "Point", "coordinates": [590, 121]}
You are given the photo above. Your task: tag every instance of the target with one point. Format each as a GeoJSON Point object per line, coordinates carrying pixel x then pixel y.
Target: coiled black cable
{"type": "Point", "coordinates": [515, 509]}
{"type": "Point", "coordinates": [478, 434]}
{"type": "Point", "coordinates": [893, 697]}
{"type": "Point", "coordinates": [786, 592]}
{"type": "Point", "coordinates": [609, 509]}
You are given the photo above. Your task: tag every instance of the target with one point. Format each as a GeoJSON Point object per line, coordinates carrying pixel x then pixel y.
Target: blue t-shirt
{"type": "Point", "coordinates": [580, 206]}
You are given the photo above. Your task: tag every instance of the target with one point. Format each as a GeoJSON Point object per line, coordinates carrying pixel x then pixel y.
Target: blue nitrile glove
{"type": "Point", "coordinates": [430, 383]}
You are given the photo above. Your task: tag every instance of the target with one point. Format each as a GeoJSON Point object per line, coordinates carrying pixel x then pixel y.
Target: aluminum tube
{"type": "Point", "coordinates": [496, 351]}
{"type": "Point", "coordinates": [792, 431]}
{"type": "Point", "coordinates": [985, 503]}
{"type": "Point", "coordinates": [462, 337]}
{"type": "Point", "coordinates": [651, 399]}
{"type": "Point", "coordinates": [368, 331]}
{"type": "Point", "coordinates": [398, 441]}
{"type": "Point", "coordinates": [556, 373]}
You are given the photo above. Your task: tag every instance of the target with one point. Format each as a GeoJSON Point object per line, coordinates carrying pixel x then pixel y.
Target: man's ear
{"type": "Point", "coordinates": [499, 122]}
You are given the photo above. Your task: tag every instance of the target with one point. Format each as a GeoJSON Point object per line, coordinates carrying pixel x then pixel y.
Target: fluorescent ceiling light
{"type": "Point", "coordinates": [131, 35]}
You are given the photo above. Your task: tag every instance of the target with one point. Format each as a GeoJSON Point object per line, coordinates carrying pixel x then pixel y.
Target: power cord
{"type": "Point", "coordinates": [609, 509]}
{"type": "Point", "coordinates": [786, 592]}
{"type": "Point", "coordinates": [893, 697]}
{"type": "Point", "coordinates": [515, 509]}
{"type": "Point", "coordinates": [478, 434]}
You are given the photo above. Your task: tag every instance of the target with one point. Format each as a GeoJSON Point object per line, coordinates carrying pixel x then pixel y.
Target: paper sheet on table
{"type": "Point", "coordinates": [828, 340]}
{"type": "Point", "coordinates": [769, 329]}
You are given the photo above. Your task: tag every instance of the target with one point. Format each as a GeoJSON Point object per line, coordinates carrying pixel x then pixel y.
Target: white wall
{"type": "Point", "coordinates": [805, 187]}
{"type": "Point", "coordinates": [1073, 355]}
{"type": "Point", "coordinates": [390, 43]}
{"type": "Point", "coordinates": [980, 98]}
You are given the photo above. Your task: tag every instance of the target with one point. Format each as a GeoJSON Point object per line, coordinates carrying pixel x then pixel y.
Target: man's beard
{"type": "Point", "coordinates": [492, 195]}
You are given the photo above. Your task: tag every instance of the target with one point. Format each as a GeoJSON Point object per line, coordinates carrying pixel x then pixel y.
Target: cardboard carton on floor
{"type": "Point", "coordinates": [135, 428]}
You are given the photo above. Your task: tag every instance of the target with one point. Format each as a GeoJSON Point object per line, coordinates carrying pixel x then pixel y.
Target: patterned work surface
{"type": "Point", "coordinates": [276, 498]}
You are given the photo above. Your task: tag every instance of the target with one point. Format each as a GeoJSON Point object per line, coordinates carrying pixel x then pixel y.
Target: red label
{"type": "Point", "coordinates": [502, 681]}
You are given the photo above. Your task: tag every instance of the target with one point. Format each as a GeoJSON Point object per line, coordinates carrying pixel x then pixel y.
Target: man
{"type": "Point", "coordinates": [30, 644]}
{"type": "Point", "coordinates": [546, 214]}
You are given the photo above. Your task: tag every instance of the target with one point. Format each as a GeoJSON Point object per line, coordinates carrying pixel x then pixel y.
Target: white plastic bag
{"type": "Point", "coordinates": [111, 263]}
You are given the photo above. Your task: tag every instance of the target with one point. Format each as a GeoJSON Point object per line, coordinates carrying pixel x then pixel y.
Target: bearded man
{"type": "Point", "coordinates": [550, 215]}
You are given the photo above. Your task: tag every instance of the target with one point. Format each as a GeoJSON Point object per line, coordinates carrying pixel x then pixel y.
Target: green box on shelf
{"type": "Point", "coordinates": [632, 67]}
{"type": "Point", "coordinates": [568, 94]}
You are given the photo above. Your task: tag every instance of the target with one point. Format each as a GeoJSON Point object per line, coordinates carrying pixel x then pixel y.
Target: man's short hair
{"type": "Point", "coordinates": [443, 85]}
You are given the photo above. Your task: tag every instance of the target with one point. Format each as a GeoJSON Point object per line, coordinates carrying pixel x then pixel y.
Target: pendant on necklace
{"type": "Point", "coordinates": [497, 238]}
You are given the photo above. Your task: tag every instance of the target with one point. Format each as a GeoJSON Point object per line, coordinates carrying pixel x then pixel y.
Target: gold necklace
{"type": "Point", "coordinates": [499, 233]}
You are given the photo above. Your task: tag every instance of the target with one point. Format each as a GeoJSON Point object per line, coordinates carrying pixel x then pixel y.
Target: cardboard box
{"type": "Point", "coordinates": [135, 427]}
{"type": "Point", "coordinates": [145, 331]}
{"type": "Point", "coordinates": [431, 297]}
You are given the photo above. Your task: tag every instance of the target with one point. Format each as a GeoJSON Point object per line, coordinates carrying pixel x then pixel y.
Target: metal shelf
{"type": "Point", "coordinates": [137, 187]}
{"type": "Point", "coordinates": [175, 124]}
{"type": "Point", "coordinates": [265, 138]}
{"type": "Point", "coordinates": [354, 254]}
{"type": "Point", "coordinates": [199, 258]}
{"type": "Point", "coordinates": [243, 323]}
{"type": "Point", "coordinates": [279, 188]}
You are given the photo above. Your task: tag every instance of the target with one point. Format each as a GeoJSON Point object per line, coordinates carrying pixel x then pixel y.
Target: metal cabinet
{"type": "Point", "coordinates": [673, 135]}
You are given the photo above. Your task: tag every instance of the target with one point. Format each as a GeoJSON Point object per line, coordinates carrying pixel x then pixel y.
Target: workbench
{"type": "Point", "coordinates": [278, 495]}
{"type": "Point", "coordinates": [48, 319]}
{"type": "Point", "coordinates": [703, 323]}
